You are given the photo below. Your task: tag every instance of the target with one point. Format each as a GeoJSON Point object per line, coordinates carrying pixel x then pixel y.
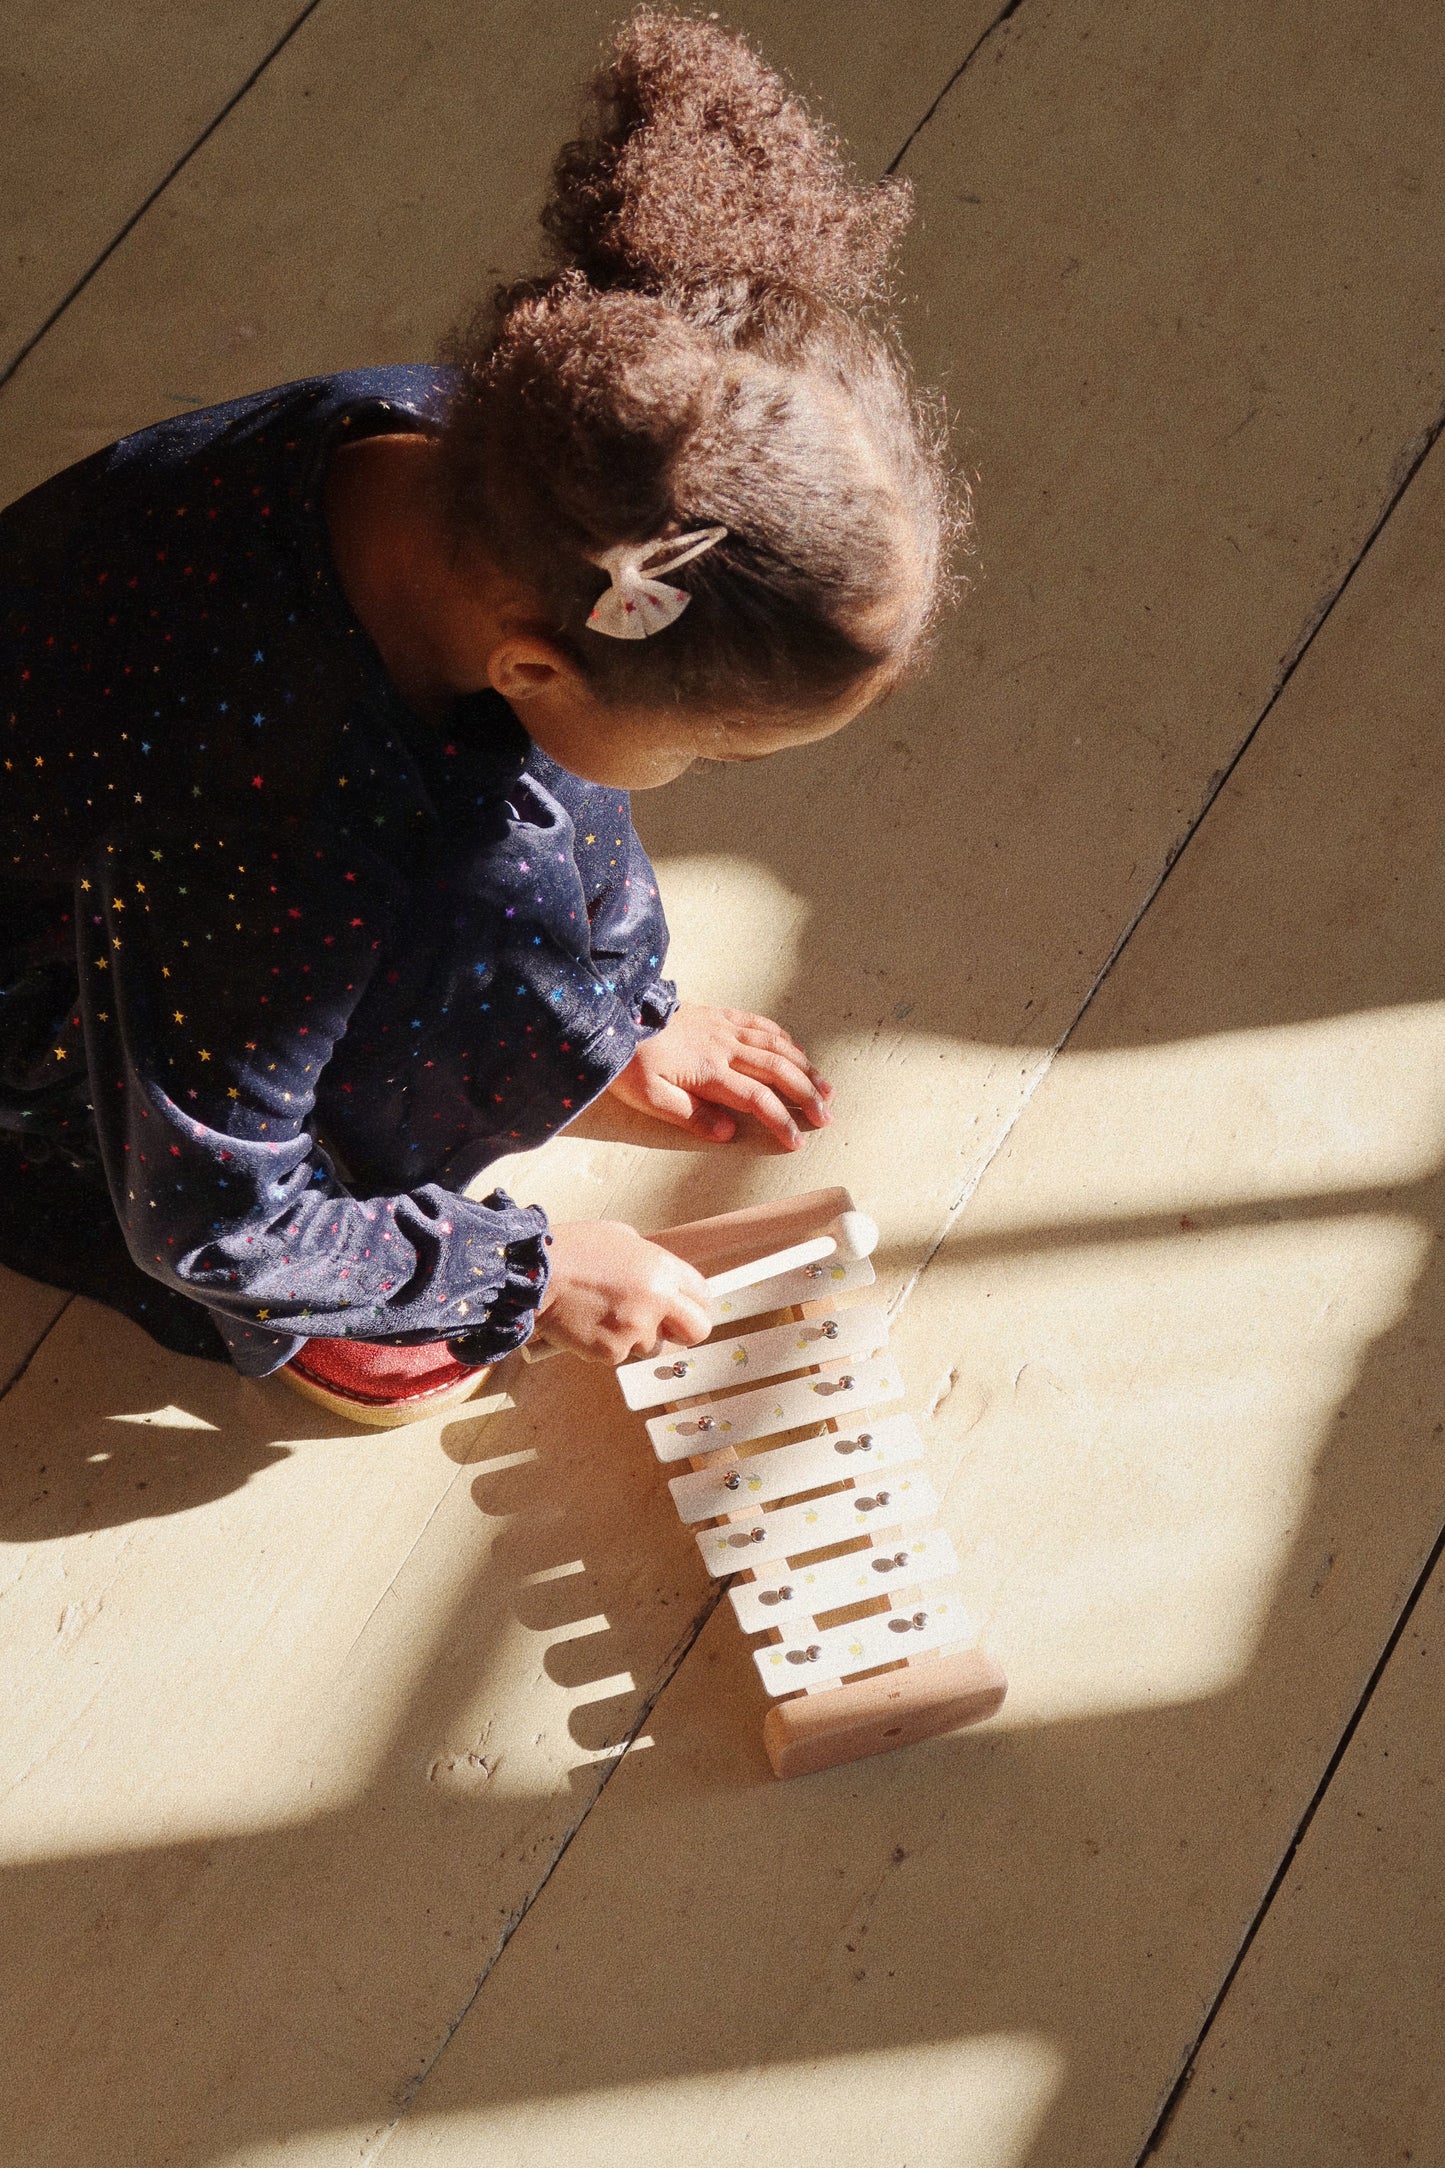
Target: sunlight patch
{"type": "Point", "coordinates": [166, 1418]}
{"type": "Point", "coordinates": [976, 2103]}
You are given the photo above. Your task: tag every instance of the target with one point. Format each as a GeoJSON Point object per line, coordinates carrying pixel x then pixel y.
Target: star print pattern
{"type": "Point", "coordinates": [297, 965]}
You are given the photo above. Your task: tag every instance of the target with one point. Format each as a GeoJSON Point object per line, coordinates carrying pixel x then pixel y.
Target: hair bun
{"type": "Point", "coordinates": [703, 172]}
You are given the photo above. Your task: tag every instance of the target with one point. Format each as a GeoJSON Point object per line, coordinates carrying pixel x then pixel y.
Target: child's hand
{"type": "Point", "coordinates": [706, 1059]}
{"type": "Point", "coordinates": [612, 1294]}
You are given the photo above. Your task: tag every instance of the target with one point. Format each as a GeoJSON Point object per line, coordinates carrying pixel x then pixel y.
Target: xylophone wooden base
{"type": "Point", "coordinates": [920, 1700]}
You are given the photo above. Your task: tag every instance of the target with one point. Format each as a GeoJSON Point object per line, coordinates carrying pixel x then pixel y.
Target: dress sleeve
{"type": "Point", "coordinates": [216, 978]}
{"type": "Point", "coordinates": [629, 935]}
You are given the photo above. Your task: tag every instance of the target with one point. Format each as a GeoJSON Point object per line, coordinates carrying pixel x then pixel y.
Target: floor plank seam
{"type": "Point", "coordinates": [373, 2148]}
{"type": "Point", "coordinates": [1180, 2087]}
{"type": "Point", "coordinates": [970, 1190]}
{"type": "Point", "coordinates": [402, 1565]}
{"type": "Point", "coordinates": [1412, 459]}
{"type": "Point", "coordinates": [28, 346]}
{"type": "Point", "coordinates": [30, 1354]}
{"type": "Point", "coordinates": [959, 72]}
{"type": "Point", "coordinates": [1409, 466]}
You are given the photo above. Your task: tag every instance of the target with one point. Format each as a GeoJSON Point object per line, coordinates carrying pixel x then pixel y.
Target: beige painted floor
{"type": "Point", "coordinates": [317, 1838]}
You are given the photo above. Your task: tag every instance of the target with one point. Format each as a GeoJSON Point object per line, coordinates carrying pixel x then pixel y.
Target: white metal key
{"type": "Point", "coordinates": [889, 1441]}
{"type": "Point", "coordinates": [811, 1656]}
{"type": "Point", "coordinates": [838, 1391]}
{"type": "Point", "coordinates": [806, 1283]}
{"type": "Point", "coordinates": [908, 1556]}
{"type": "Point", "coordinates": [791, 1531]}
{"type": "Point", "coordinates": [655, 1378]}
{"type": "Point", "coordinates": [718, 1366]}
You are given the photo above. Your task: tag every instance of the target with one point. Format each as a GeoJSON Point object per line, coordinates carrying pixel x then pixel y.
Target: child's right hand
{"type": "Point", "coordinates": [612, 1294]}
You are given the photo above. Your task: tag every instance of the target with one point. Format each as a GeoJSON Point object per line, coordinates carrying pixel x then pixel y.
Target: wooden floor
{"type": "Point", "coordinates": [400, 1794]}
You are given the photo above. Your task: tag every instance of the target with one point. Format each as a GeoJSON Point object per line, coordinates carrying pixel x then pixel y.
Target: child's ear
{"type": "Point", "coordinates": [523, 668]}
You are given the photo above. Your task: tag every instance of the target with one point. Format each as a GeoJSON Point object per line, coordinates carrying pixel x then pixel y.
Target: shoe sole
{"type": "Point", "coordinates": [386, 1415]}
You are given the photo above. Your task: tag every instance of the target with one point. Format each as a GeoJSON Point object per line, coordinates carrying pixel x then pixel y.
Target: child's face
{"type": "Point", "coordinates": [641, 748]}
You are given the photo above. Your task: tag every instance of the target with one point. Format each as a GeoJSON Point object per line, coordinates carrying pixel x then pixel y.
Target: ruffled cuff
{"type": "Point", "coordinates": [512, 1311]}
{"type": "Point", "coordinates": [655, 1006]}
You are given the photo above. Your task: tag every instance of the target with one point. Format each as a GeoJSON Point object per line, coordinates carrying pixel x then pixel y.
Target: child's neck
{"type": "Point", "coordinates": [432, 626]}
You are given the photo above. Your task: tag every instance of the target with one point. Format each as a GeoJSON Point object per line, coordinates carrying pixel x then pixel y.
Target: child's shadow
{"type": "Point", "coordinates": [169, 1434]}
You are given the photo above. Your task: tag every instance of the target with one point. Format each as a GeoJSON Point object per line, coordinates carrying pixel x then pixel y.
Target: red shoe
{"type": "Point", "coordinates": [372, 1381]}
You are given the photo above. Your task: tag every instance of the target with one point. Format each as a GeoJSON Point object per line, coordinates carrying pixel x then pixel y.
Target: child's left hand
{"type": "Point", "coordinates": [706, 1059]}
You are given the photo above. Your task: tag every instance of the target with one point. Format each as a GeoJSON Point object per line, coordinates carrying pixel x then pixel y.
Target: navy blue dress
{"type": "Point", "coordinates": [291, 965]}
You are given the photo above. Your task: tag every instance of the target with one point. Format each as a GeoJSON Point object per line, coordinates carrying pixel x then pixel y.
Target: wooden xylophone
{"type": "Point", "coordinates": [814, 1506]}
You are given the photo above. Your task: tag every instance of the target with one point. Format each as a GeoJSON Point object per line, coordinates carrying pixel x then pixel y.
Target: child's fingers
{"type": "Point", "coordinates": [670, 1103]}
{"type": "Point", "coordinates": [762, 1031]}
{"type": "Point", "coordinates": [683, 1292]}
{"type": "Point", "coordinates": [684, 1320]}
{"type": "Point", "coordinates": [759, 1031]}
{"type": "Point", "coordinates": [748, 1095]}
{"type": "Point", "coordinates": [712, 1123]}
{"type": "Point", "coordinates": [788, 1078]}
{"type": "Point", "coordinates": [766, 1032]}
{"type": "Point", "coordinates": [684, 1314]}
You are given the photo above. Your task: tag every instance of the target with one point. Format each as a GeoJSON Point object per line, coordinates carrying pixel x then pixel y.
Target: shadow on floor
{"type": "Point", "coordinates": [242, 1991]}
{"type": "Point", "coordinates": [113, 1465]}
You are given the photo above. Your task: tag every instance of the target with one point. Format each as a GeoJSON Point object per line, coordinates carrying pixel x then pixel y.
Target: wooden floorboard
{"type": "Point", "coordinates": [380, 175]}
{"type": "Point", "coordinates": [101, 102]}
{"type": "Point", "coordinates": [1329, 2049]}
{"type": "Point", "coordinates": [1190, 1334]}
{"type": "Point", "coordinates": [307, 1723]}
{"type": "Point", "coordinates": [27, 1311]}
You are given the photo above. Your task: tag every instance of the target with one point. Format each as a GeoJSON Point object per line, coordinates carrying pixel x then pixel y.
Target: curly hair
{"type": "Point", "coordinates": [712, 349]}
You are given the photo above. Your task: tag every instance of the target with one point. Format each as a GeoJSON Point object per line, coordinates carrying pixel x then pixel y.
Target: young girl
{"type": "Point", "coordinates": [320, 891]}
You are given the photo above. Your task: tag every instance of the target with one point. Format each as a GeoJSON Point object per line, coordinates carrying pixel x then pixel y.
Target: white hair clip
{"type": "Point", "coordinates": [639, 602]}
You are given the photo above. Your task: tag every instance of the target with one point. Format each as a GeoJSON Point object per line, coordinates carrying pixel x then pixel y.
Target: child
{"type": "Point", "coordinates": [320, 891]}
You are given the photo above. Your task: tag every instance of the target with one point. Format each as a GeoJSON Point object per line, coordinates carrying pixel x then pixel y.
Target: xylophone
{"type": "Point", "coordinates": [813, 1506]}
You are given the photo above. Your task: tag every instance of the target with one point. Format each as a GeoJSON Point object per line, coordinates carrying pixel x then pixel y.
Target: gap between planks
{"type": "Point", "coordinates": [128, 225]}
{"type": "Point", "coordinates": [34, 1349]}
{"type": "Point", "coordinates": [1180, 2087]}
{"type": "Point", "coordinates": [964, 65]}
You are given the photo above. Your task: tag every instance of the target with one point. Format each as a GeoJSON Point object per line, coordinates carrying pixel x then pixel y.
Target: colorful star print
{"type": "Point", "coordinates": [397, 953]}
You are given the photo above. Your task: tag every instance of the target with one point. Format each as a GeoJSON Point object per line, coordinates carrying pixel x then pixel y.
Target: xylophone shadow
{"type": "Point", "coordinates": [591, 1553]}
